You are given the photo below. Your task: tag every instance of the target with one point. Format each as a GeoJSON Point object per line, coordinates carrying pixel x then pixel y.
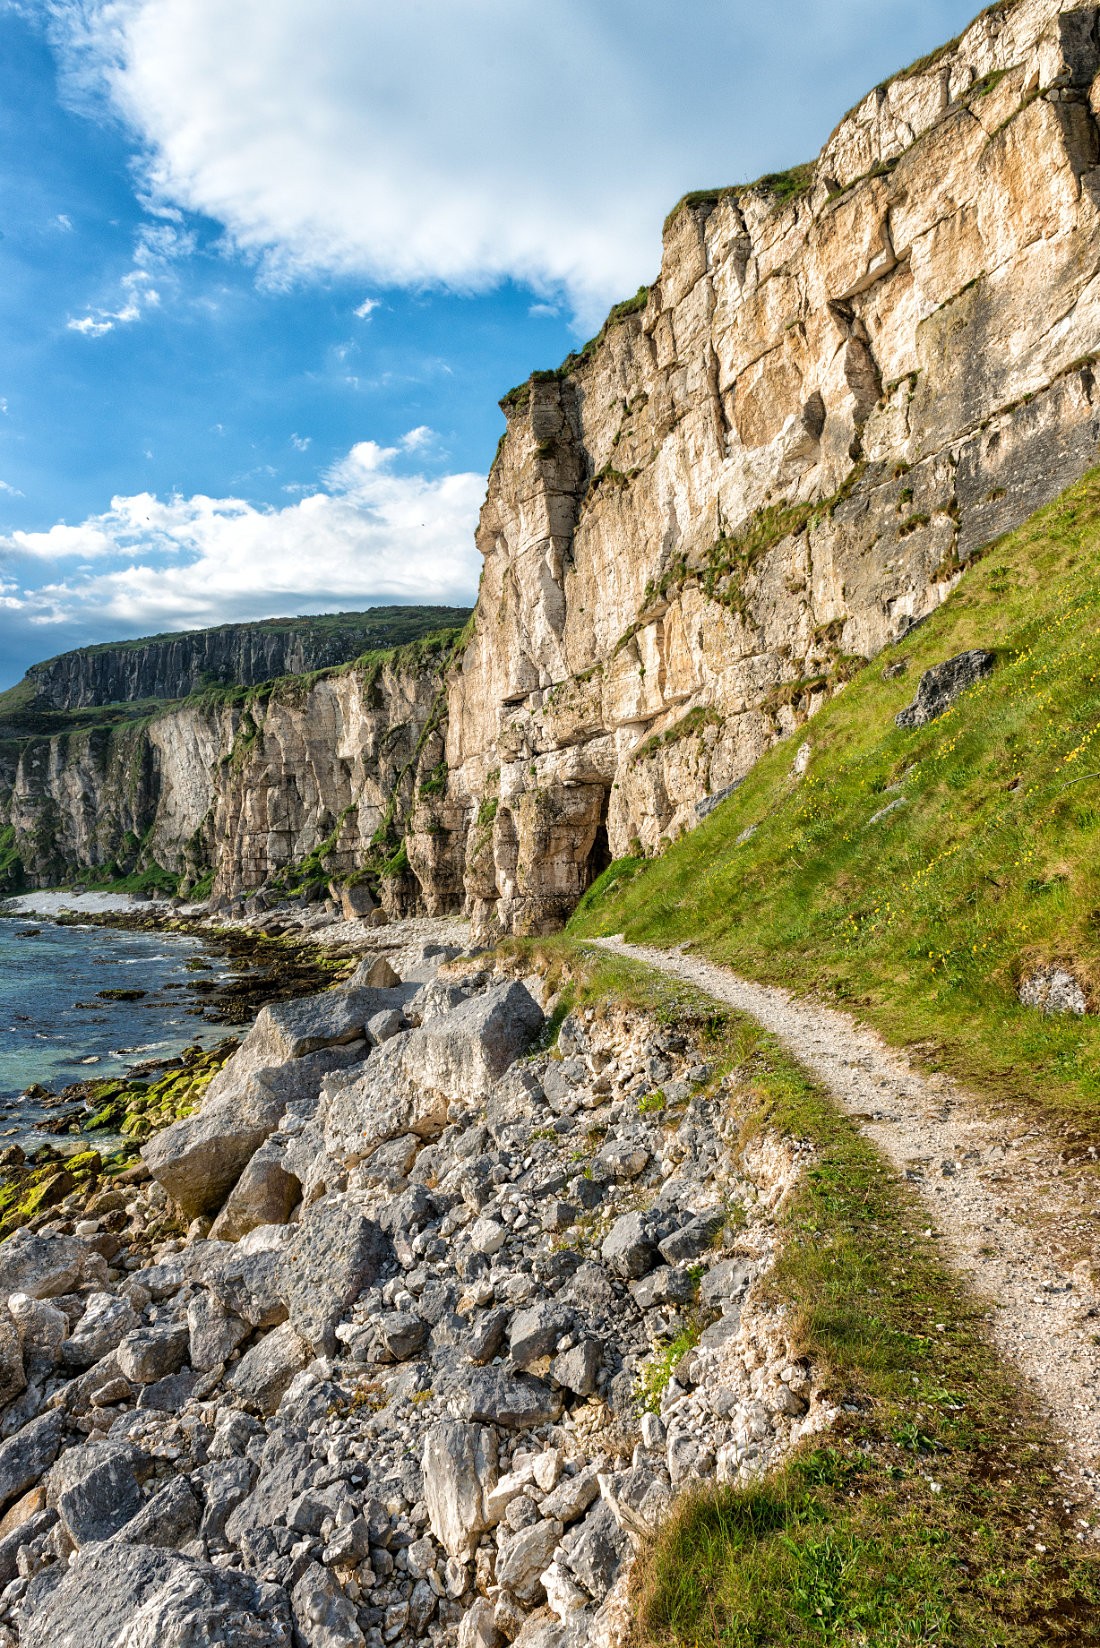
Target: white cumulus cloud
{"type": "Point", "coordinates": [371, 532]}
{"type": "Point", "coordinates": [465, 142]}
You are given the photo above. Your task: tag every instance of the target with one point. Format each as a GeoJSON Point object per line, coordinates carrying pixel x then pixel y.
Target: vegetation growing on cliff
{"type": "Point", "coordinates": [517, 399]}
{"type": "Point", "coordinates": [11, 865]}
{"type": "Point", "coordinates": [781, 187]}
{"type": "Point", "coordinates": [925, 917]}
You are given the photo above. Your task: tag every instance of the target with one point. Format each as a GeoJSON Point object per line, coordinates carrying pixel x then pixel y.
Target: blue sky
{"type": "Point", "coordinates": [266, 268]}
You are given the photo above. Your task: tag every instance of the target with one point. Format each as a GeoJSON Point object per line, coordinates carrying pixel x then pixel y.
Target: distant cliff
{"type": "Point", "coordinates": [174, 666]}
{"type": "Point", "coordinates": [297, 781]}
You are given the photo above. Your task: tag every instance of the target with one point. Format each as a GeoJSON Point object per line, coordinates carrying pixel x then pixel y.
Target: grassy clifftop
{"type": "Point", "coordinates": [916, 876]}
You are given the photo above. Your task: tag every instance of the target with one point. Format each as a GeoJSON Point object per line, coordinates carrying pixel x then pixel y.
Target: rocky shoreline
{"type": "Point", "coordinates": [93, 1128]}
{"type": "Point", "coordinates": [412, 1333]}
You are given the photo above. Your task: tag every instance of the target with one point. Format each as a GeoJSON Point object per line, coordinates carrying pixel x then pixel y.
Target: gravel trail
{"type": "Point", "coordinates": [1020, 1224]}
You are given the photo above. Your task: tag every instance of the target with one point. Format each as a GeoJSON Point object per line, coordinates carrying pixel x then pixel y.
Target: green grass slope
{"type": "Point", "coordinates": [923, 919]}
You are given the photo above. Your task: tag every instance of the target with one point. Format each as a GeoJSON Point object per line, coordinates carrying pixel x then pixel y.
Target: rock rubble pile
{"type": "Point", "coordinates": [454, 1320]}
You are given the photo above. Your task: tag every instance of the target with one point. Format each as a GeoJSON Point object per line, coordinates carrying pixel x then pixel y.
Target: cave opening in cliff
{"type": "Point", "coordinates": [599, 854]}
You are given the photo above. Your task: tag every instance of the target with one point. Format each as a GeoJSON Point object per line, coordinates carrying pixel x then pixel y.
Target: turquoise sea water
{"type": "Point", "coordinates": [46, 1037]}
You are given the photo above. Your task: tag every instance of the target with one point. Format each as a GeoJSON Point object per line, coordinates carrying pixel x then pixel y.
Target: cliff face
{"type": "Point", "coordinates": [826, 406]}
{"type": "Point", "coordinates": [175, 666]}
{"type": "Point", "coordinates": [247, 788]}
{"type": "Point", "coordinates": [844, 383]}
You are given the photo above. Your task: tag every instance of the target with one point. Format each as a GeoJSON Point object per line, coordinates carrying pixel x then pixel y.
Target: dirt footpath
{"type": "Point", "coordinates": [1022, 1228]}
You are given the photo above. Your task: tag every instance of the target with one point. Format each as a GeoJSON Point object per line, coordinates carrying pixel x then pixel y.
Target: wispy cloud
{"type": "Point", "coordinates": [158, 246]}
{"type": "Point", "coordinates": [139, 295]}
{"type": "Point", "coordinates": [367, 307]}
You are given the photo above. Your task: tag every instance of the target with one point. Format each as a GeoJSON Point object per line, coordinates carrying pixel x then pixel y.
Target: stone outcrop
{"type": "Point", "coordinates": [940, 686]}
{"type": "Point", "coordinates": [844, 384]}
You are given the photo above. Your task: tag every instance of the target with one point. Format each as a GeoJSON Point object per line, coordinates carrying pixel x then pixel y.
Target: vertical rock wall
{"type": "Point", "coordinates": [841, 386]}
{"type": "Point", "coordinates": [246, 788]}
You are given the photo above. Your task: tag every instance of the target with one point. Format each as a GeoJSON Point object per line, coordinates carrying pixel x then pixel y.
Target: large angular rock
{"type": "Point", "coordinates": [403, 1334]}
{"type": "Point", "coordinates": [693, 1239]}
{"type": "Point", "coordinates": [323, 1616]}
{"type": "Point", "coordinates": [572, 1496]}
{"type": "Point", "coordinates": [265, 1194]}
{"type": "Point", "coordinates": [261, 1377]}
{"type": "Point", "coordinates": [460, 1467]}
{"type": "Point", "coordinates": [629, 1248]}
{"type": "Point", "coordinates": [479, 1627]}
{"type": "Point", "coordinates": [940, 686]}
{"type": "Point", "coordinates": [599, 1551]}
{"type": "Point", "coordinates": [376, 974]}
{"type": "Point", "coordinates": [225, 1484]}
{"type": "Point", "coordinates": [107, 1319]}
{"type": "Point", "coordinates": [355, 902]}
{"type": "Point", "coordinates": [39, 1522]}
{"type": "Point", "coordinates": [214, 1332]}
{"type": "Point", "coordinates": [492, 1396]}
{"type": "Point", "coordinates": [287, 1469]}
{"type": "Point", "coordinates": [152, 1353]}
{"type": "Point", "coordinates": [42, 1328]}
{"type": "Point", "coordinates": [45, 1266]}
{"type": "Point", "coordinates": [290, 1030]}
{"type": "Point", "coordinates": [198, 1160]}
{"type": "Point", "coordinates": [168, 1520]}
{"type": "Point", "coordinates": [27, 1456]}
{"type": "Point", "coordinates": [578, 1368]}
{"type": "Point", "coordinates": [409, 1083]}
{"type": "Point", "coordinates": [335, 1255]}
{"type": "Point", "coordinates": [537, 1331]}
{"type": "Point", "coordinates": [725, 1283]}
{"type": "Point", "coordinates": [667, 1285]}
{"type": "Point", "coordinates": [249, 1285]}
{"type": "Point", "coordinates": [521, 1565]}
{"type": "Point", "coordinates": [133, 1596]}
{"type": "Point", "coordinates": [95, 1490]}
{"type": "Point", "coordinates": [13, 1378]}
